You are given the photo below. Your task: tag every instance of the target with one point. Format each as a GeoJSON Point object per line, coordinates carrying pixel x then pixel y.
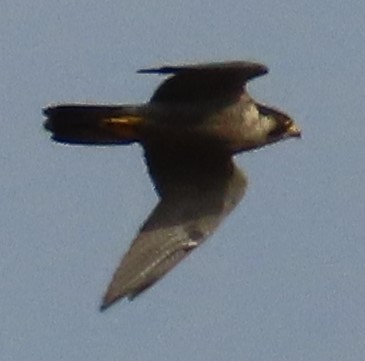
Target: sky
{"type": "Point", "coordinates": [282, 279]}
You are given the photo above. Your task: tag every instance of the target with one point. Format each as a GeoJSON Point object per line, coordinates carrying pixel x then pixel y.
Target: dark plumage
{"type": "Point", "coordinates": [194, 123]}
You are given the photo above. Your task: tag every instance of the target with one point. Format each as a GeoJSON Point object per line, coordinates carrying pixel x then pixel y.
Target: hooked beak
{"type": "Point", "coordinates": [294, 131]}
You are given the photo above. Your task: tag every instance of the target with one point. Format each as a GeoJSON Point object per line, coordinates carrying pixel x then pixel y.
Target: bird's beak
{"type": "Point", "coordinates": [294, 131]}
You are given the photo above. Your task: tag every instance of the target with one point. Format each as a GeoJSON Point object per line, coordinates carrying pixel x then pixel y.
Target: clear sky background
{"type": "Point", "coordinates": [282, 279]}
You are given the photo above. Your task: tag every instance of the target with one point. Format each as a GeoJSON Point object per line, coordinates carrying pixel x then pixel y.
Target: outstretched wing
{"type": "Point", "coordinates": [205, 82]}
{"type": "Point", "coordinates": [195, 197]}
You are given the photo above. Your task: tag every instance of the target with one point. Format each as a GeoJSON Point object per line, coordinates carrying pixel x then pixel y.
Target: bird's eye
{"type": "Point", "coordinates": [288, 123]}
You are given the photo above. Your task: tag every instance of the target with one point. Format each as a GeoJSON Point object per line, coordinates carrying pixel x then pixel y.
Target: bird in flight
{"type": "Point", "coordinates": [193, 125]}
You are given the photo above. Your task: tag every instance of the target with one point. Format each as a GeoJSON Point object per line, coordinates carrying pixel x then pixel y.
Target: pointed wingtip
{"type": "Point", "coordinates": [107, 302]}
{"type": "Point", "coordinates": [104, 306]}
{"type": "Point", "coordinates": [110, 298]}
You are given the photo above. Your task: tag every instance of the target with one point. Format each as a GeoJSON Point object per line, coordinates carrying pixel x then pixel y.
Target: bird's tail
{"type": "Point", "coordinates": [93, 124]}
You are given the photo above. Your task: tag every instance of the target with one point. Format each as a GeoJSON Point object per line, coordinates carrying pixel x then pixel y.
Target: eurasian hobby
{"type": "Point", "coordinates": [191, 128]}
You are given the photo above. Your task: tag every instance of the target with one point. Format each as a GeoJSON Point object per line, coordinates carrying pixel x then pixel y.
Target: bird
{"type": "Point", "coordinates": [196, 121]}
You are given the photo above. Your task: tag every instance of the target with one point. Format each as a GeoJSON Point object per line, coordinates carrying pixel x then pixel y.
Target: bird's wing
{"type": "Point", "coordinates": [205, 82]}
{"type": "Point", "coordinates": [195, 198]}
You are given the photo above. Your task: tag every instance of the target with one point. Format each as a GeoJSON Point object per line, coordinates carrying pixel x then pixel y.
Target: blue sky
{"type": "Point", "coordinates": [282, 279]}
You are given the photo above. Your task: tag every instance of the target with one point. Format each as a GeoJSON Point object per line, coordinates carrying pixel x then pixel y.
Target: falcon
{"type": "Point", "coordinates": [196, 121]}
